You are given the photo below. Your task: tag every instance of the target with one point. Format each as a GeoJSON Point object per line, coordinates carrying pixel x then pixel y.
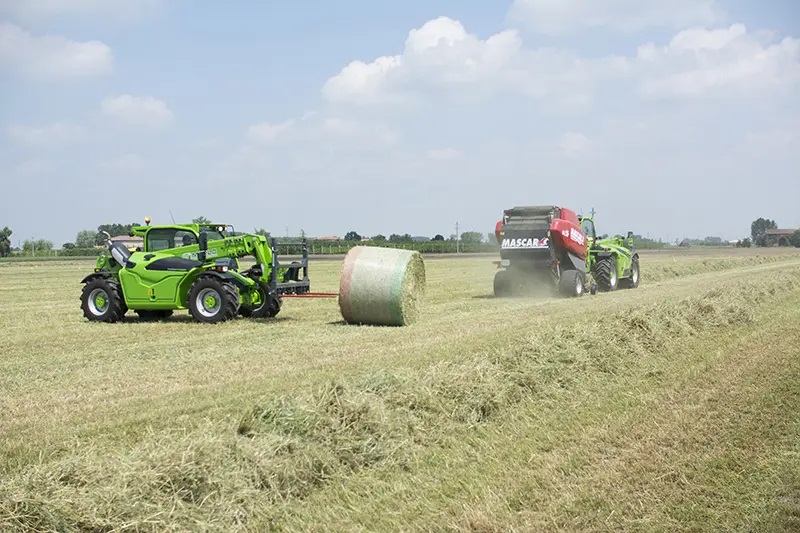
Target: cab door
{"type": "Point", "coordinates": [587, 228]}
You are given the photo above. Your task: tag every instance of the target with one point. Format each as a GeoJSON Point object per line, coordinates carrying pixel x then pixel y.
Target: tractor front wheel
{"type": "Point", "coordinates": [605, 273]}
{"type": "Point", "coordinates": [268, 308]}
{"type": "Point", "coordinates": [102, 301]}
{"type": "Point", "coordinates": [213, 300]}
{"type": "Point", "coordinates": [633, 281]}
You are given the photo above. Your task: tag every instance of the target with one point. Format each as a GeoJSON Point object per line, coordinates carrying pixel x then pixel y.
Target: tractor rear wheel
{"type": "Point", "coordinates": [605, 273]}
{"type": "Point", "coordinates": [213, 300]}
{"type": "Point", "coordinates": [269, 307]}
{"type": "Point", "coordinates": [102, 301]}
{"type": "Point", "coordinates": [633, 281]}
{"type": "Point", "coordinates": [571, 283]}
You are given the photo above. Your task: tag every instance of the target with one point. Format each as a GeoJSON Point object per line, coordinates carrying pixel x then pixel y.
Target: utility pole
{"type": "Point", "coordinates": [287, 232]}
{"type": "Point", "coordinates": [457, 250]}
{"type": "Point", "coordinates": [592, 211]}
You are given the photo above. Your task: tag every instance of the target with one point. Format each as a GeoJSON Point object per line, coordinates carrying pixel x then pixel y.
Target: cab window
{"type": "Point", "coordinates": [184, 238]}
{"type": "Point", "coordinates": [166, 238]}
{"type": "Point", "coordinates": [587, 227]}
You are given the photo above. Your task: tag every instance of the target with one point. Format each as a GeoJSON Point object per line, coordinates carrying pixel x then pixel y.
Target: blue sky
{"type": "Point", "coordinates": [674, 119]}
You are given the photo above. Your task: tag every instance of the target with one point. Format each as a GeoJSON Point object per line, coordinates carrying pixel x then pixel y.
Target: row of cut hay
{"type": "Point", "coordinates": [223, 478]}
{"type": "Point", "coordinates": [678, 267]}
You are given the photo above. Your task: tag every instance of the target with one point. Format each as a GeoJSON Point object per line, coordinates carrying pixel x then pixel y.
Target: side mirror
{"type": "Point", "coordinates": [203, 241]}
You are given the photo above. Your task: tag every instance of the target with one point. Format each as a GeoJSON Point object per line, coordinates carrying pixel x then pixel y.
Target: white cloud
{"type": "Point", "coordinates": [138, 110]}
{"type": "Point", "coordinates": [363, 81]}
{"type": "Point", "coordinates": [565, 16]}
{"type": "Point", "coordinates": [38, 9]}
{"type": "Point", "coordinates": [319, 143]}
{"type": "Point", "coordinates": [52, 57]}
{"type": "Point", "coordinates": [441, 56]}
{"type": "Point", "coordinates": [440, 53]}
{"type": "Point", "coordinates": [327, 131]}
{"type": "Point", "coordinates": [723, 62]}
{"type": "Point", "coordinates": [50, 135]}
{"type": "Point", "coordinates": [442, 60]}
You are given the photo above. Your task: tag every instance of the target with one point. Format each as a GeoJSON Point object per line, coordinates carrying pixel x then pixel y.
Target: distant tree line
{"type": "Point", "coordinates": [29, 246]}
{"type": "Point", "coordinates": [90, 242]}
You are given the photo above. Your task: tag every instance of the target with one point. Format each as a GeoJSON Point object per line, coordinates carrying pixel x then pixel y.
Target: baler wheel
{"type": "Point", "coordinates": [502, 284]}
{"type": "Point", "coordinates": [571, 283]}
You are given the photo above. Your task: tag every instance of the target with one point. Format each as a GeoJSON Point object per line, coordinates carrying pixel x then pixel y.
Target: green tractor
{"type": "Point", "coordinates": [194, 267]}
{"type": "Point", "coordinates": [613, 262]}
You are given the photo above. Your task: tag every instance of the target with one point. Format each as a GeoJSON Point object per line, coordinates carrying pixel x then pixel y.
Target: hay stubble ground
{"type": "Point", "coordinates": [664, 408]}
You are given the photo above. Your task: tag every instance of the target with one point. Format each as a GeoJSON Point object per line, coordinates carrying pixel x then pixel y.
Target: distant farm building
{"type": "Point", "coordinates": [779, 237]}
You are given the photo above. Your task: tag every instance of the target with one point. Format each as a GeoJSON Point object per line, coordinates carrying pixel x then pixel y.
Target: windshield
{"type": "Point", "coordinates": [219, 232]}
{"type": "Point", "coordinates": [587, 227]}
{"type": "Point", "coordinates": [166, 238]}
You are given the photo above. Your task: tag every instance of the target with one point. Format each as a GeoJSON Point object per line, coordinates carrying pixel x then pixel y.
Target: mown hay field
{"type": "Point", "coordinates": [672, 407]}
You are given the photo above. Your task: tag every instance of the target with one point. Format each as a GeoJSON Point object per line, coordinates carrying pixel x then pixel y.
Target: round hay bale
{"type": "Point", "coordinates": [381, 286]}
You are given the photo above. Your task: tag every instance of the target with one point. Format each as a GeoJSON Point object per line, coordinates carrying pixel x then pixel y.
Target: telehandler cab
{"type": "Point", "coordinates": [194, 267]}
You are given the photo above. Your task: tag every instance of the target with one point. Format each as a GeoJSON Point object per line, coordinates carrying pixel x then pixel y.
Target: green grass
{"type": "Point", "coordinates": [668, 407]}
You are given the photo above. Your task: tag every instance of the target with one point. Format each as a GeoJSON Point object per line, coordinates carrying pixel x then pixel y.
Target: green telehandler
{"type": "Point", "coordinates": [194, 267]}
{"type": "Point", "coordinates": [613, 261]}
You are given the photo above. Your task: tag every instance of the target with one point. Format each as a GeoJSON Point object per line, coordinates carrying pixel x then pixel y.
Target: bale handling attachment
{"type": "Point", "coordinates": [297, 287]}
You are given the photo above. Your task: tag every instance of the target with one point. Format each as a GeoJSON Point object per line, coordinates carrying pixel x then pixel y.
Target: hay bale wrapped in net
{"type": "Point", "coordinates": [381, 286]}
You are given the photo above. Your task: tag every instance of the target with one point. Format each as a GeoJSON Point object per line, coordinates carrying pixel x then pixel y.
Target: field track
{"type": "Point", "coordinates": [672, 407]}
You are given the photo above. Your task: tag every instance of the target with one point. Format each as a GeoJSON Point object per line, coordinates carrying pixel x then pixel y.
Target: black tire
{"type": "Point", "coordinates": [605, 274]}
{"type": "Point", "coordinates": [633, 281]}
{"type": "Point", "coordinates": [502, 284]}
{"type": "Point", "coordinates": [102, 300]}
{"type": "Point", "coordinates": [270, 307]}
{"type": "Point", "coordinates": [146, 315]}
{"type": "Point", "coordinates": [223, 304]}
{"type": "Point", "coordinates": [572, 283]}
